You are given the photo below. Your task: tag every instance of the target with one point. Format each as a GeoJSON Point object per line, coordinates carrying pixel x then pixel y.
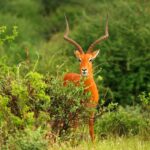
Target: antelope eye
{"type": "Point", "coordinates": [90, 60]}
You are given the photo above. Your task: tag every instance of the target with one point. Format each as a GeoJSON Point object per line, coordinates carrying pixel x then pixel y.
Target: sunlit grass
{"type": "Point", "coordinates": [132, 143]}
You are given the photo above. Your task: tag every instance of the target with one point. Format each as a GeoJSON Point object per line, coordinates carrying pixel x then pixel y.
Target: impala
{"type": "Point", "coordinates": [86, 71]}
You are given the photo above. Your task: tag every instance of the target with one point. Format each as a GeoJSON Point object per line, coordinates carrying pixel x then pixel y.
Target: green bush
{"type": "Point", "coordinates": [125, 55]}
{"type": "Point", "coordinates": [26, 140]}
{"type": "Point", "coordinates": [67, 105]}
{"type": "Point", "coordinates": [30, 99]}
{"type": "Point", "coordinates": [23, 100]}
{"type": "Point", "coordinates": [123, 122]}
{"type": "Point", "coordinates": [145, 98]}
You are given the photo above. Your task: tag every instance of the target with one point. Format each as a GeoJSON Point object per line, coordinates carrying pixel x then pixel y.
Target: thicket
{"type": "Point", "coordinates": [124, 59]}
{"type": "Point", "coordinates": [127, 121]}
{"type": "Point", "coordinates": [38, 107]}
{"type": "Point", "coordinates": [34, 57]}
{"type": "Point", "coordinates": [35, 106]}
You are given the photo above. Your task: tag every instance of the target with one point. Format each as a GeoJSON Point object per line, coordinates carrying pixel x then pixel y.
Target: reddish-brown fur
{"type": "Point", "coordinates": [86, 72]}
{"type": "Point", "coordinates": [90, 85]}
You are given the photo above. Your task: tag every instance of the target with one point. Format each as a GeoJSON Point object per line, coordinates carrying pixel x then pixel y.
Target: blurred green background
{"type": "Point", "coordinates": [122, 70]}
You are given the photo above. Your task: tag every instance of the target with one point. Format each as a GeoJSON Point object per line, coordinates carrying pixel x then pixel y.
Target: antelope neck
{"type": "Point", "coordinates": [88, 80]}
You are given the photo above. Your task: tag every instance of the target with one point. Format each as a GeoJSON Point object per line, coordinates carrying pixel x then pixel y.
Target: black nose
{"type": "Point", "coordinates": [84, 70]}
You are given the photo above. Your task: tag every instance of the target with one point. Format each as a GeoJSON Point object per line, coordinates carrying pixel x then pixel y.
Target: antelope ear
{"type": "Point", "coordinates": [95, 53]}
{"type": "Point", "coordinates": [77, 54]}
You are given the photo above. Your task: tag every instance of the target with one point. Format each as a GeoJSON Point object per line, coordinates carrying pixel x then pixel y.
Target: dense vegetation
{"type": "Point", "coordinates": [34, 58]}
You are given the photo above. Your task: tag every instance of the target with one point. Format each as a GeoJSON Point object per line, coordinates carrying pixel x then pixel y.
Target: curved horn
{"type": "Point", "coordinates": [104, 37]}
{"type": "Point", "coordinates": [79, 48]}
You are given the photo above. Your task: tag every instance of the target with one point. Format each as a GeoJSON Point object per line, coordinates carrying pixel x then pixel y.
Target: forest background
{"type": "Point", "coordinates": [34, 58]}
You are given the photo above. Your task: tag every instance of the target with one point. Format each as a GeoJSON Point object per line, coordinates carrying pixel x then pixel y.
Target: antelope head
{"type": "Point", "coordinates": [87, 58]}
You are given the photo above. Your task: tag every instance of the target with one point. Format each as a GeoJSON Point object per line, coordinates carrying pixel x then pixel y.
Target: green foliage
{"type": "Point", "coordinates": [31, 98]}
{"type": "Point", "coordinates": [4, 35]}
{"type": "Point", "coordinates": [125, 55]}
{"type": "Point", "coordinates": [145, 98]}
{"type": "Point", "coordinates": [34, 100]}
{"type": "Point", "coordinates": [123, 122]}
{"type": "Point", "coordinates": [145, 102]}
{"type": "Point", "coordinates": [23, 99]}
{"type": "Point", "coordinates": [125, 64]}
{"type": "Point", "coordinates": [27, 140]}
{"type": "Point", "coordinates": [67, 105]}
{"type": "Point", "coordinates": [37, 88]}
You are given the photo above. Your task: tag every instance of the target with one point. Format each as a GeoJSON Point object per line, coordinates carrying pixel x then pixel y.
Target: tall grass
{"type": "Point", "coordinates": [134, 143]}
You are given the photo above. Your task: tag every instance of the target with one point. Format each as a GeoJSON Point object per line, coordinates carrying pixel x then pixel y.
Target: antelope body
{"type": "Point", "coordinates": [86, 72]}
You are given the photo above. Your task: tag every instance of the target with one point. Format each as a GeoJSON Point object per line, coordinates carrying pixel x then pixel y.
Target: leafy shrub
{"type": "Point", "coordinates": [124, 58]}
{"type": "Point", "coordinates": [145, 103]}
{"type": "Point", "coordinates": [126, 61]}
{"type": "Point", "coordinates": [30, 99]}
{"type": "Point", "coordinates": [67, 105]}
{"type": "Point", "coordinates": [5, 37]}
{"type": "Point", "coordinates": [145, 98]}
{"type": "Point", "coordinates": [124, 122]}
{"type": "Point", "coordinates": [23, 100]}
{"type": "Point", "coordinates": [27, 140]}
